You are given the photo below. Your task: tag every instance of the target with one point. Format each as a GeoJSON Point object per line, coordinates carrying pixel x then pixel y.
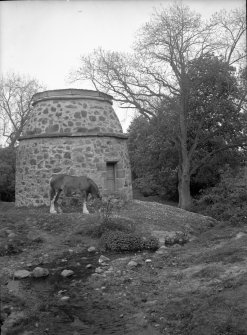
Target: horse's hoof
{"type": "Point", "coordinates": [53, 212]}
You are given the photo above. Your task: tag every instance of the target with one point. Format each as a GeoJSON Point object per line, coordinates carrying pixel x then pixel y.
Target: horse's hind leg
{"type": "Point", "coordinates": [59, 209]}
{"type": "Point", "coordinates": [84, 203]}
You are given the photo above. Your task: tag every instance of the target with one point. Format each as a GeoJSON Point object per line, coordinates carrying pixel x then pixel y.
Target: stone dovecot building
{"type": "Point", "coordinates": [76, 132]}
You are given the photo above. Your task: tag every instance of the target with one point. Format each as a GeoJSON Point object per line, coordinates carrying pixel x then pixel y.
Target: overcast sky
{"type": "Point", "coordinates": [44, 39]}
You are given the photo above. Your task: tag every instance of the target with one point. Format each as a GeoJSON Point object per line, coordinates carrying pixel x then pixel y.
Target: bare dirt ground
{"type": "Point", "coordinates": [199, 288]}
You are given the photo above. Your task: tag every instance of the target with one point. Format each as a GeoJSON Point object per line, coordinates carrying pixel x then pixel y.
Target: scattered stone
{"type": "Point", "coordinates": [132, 264]}
{"type": "Point", "coordinates": [67, 273]}
{"type": "Point", "coordinates": [19, 274]}
{"type": "Point", "coordinates": [104, 264]}
{"type": "Point", "coordinates": [161, 251]}
{"type": "Point", "coordinates": [163, 247]}
{"type": "Point", "coordinates": [89, 266]}
{"type": "Point", "coordinates": [40, 272]}
{"type": "Point", "coordinates": [12, 235]}
{"type": "Point", "coordinates": [239, 235]}
{"type": "Point", "coordinates": [151, 303]}
{"type": "Point", "coordinates": [96, 275]}
{"type": "Point", "coordinates": [176, 246]}
{"type": "Point", "coordinates": [103, 259]}
{"type": "Point", "coordinates": [78, 324]}
{"type": "Point", "coordinates": [148, 261]}
{"type": "Point", "coordinates": [110, 270]}
{"type": "Point", "coordinates": [91, 249]}
{"type": "Point", "coordinates": [64, 260]}
{"type": "Point", "coordinates": [13, 319]}
{"type": "Point", "coordinates": [140, 319]}
{"type": "Point", "coordinates": [61, 292]}
{"type": "Point", "coordinates": [99, 270]}
{"type": "Point", "coordinates": [65, 298]}
{"type": "Point", "coordinates": [171, 237]}
{"type": "Point", "coordinates": [138, 259]}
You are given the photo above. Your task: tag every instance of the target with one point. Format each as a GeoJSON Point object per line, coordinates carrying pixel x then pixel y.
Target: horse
{"type": "Point", "coordinates": [70, 184]}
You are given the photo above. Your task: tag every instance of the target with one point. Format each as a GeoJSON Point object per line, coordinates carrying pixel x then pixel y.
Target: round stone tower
{"type": "Point", "coordinates": [76, 132]}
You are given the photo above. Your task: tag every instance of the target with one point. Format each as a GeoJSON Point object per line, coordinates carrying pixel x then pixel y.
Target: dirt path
{"type": "Point", "coordinates": [196, 289]}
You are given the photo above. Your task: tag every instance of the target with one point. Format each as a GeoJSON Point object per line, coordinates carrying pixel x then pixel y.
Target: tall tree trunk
{"type": "Point", "coordinates": [185, 200]}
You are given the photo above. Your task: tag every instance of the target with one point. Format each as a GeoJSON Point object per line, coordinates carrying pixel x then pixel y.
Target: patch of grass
{"type": "Point", "coordinates": [16, 245]}
{"type": "Point", "coordinates": [226, 254]}
{"type": "Point", "coordinates": [13, 247]}
{"type": "Point", "coordinates": [229, 328]}
{"type": "Point", "coordinates": [96, 231]}
{"type": "Point", "coordinates": [211, 271]}
{"type": "Point", "coordinates": [235, 282]}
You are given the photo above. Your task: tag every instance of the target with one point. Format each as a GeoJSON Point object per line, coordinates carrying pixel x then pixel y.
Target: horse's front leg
{"type": "Point", "coordinates": [84, 203]}
{"type": "Point", "coordinates": [54, 203]}
{"type": "Point", "coordinates": [52, 207]}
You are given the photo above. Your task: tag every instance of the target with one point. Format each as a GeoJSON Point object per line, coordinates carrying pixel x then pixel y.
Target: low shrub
{"type": "Point", "coordinates": [7, 174]}
{"type": "Point", "coordinates": [122, 241]}
{"type": "Point", "coordinates": [227, 201]}
{"type": "Point", "coordinates": [177, 237]}
{"type": "Point", "coordinates": [151, 243]}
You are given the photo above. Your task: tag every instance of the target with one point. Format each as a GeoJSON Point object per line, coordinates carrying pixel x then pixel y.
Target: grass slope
{"type": "Point", "coordinates": [197, 289]}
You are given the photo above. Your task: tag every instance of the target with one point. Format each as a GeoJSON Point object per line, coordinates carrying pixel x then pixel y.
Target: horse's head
{"type": "Point", "coordinates": [94, 190]}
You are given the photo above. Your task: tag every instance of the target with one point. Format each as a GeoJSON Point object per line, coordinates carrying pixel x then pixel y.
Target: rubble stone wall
{"type": "Point", "coordinates": [75, 137]}
{"type": "Point", "coordinates": [72, 116]}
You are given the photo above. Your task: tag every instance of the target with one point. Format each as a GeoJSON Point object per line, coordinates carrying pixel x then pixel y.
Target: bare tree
{"type": "Point", "coordinates": [157, 74]}
{"type": "Point", "coordinates": [230, 33]}
{"type": "Point", "coordinates": [15, 105]}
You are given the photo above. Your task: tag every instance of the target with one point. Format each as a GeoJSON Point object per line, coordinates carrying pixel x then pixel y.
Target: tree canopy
{"type": "Point", "coordinates": [182, 67]}
{"type": "Point", "coordinates": [15, 105]}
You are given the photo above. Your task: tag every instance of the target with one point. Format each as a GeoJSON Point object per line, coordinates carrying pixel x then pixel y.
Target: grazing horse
{"type": "Point", "coordinates": [70, 184]}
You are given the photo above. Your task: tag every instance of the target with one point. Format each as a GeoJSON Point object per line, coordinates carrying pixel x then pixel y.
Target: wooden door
{"type": "Point", "coordinates": [110, 176]}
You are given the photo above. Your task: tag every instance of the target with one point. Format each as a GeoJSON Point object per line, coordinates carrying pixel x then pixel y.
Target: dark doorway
{"type": "Point", "coordinates": [111, 176]}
